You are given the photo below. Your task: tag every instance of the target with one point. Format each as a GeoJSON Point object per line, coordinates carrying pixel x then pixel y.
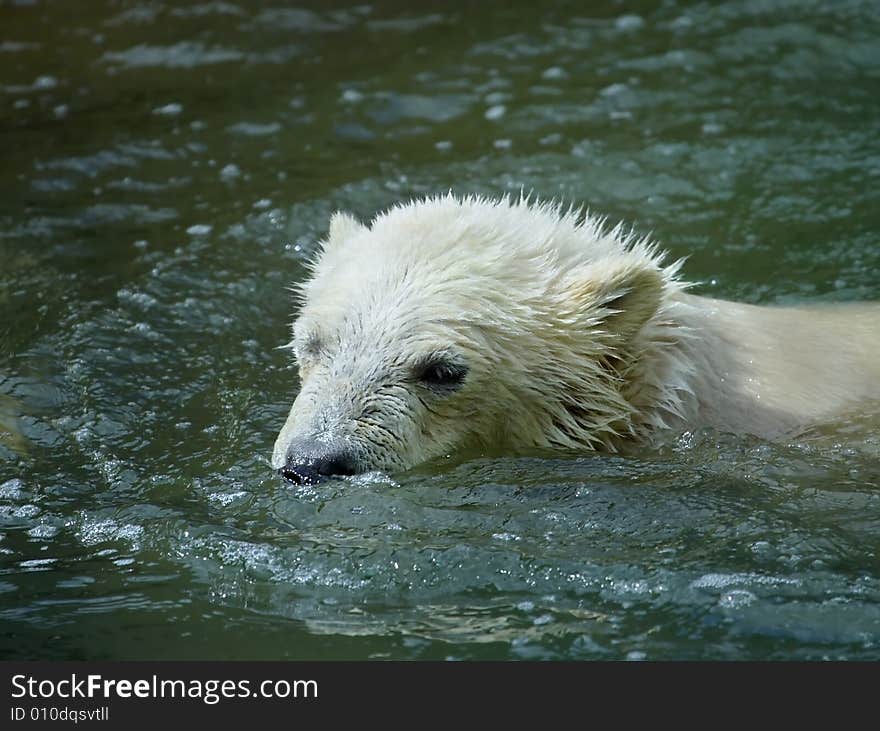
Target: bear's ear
{"type": "Point", "coordinates": [619, 296]}
{"type": "Point", "coordinates": [343, 225]}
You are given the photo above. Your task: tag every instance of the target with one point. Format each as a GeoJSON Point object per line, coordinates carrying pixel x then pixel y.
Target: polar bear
{"type": "Point", "coordinates": [513, 324]}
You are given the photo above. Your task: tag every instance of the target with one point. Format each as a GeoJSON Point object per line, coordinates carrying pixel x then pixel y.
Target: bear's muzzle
{"type": "Point", "coordinates": [310, 461]}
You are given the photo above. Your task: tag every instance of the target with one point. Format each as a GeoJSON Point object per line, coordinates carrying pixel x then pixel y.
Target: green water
{"type": "Point", "coordinates": [166, 169]}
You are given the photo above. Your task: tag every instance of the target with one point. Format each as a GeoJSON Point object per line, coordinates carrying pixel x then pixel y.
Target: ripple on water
{"type": "Point", "coordinates": [183, 55]}
{"type": "Point", "coordinates": [94, 531]}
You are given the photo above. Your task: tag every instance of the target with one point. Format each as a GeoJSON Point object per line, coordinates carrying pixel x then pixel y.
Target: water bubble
{"type": "Point", "coordinates": [505, 537]}
{"type": "Point", "coordinates": [736, 599]}
{"type": "Point", "coordinates": [352, 96]}
{"type": "Point", "coordinates": [554, 72]}
{"type": "Point", "coordinates": [496, 112]}
{"type": "Point", "coordinates": [227, 498]}
{"type": "Point", "coordinates": [629, 22]}
{"type": "Point", "coordinates": [45, 82]}
{"type": "Point", "coordinates": [230, 172]}
{"type": "Point", "coordinates": [169, 110]}
{"type": "Point", "coordinates": [43, 531]}
{"type": "Point", "coordinates": [11, 489]}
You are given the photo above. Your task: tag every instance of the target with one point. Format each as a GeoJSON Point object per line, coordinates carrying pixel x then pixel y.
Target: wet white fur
{"type": "Point", "coordinates": [576, 337]}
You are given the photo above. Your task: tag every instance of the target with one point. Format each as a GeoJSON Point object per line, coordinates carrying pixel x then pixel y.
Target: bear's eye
{"type": "Point", "coordinates": [441, 374]}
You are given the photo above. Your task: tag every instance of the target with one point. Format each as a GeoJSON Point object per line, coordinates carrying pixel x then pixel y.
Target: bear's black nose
{"type": "Point", "coordinates": [312, 470]}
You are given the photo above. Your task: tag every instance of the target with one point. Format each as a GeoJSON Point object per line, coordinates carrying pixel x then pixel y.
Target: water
{"type": "Point", "coordinates": [166, 170]}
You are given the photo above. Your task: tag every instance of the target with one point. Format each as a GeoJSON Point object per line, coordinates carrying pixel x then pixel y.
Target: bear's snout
{"type": "Point", "coordinates": [309, 464]}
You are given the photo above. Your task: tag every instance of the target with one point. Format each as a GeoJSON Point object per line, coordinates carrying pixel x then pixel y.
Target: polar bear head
{"type": "Point", "coordinates": [491, 324]}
